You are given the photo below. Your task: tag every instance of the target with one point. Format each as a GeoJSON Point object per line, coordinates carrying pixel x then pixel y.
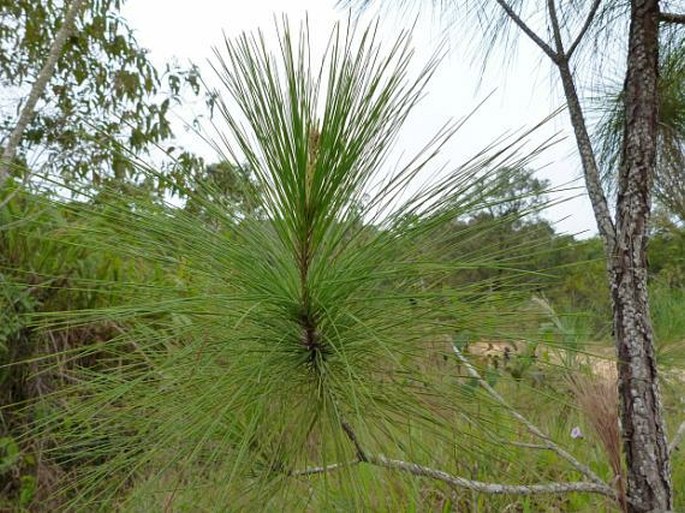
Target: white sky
{"type": "Point", "coordinates": [175, 29]}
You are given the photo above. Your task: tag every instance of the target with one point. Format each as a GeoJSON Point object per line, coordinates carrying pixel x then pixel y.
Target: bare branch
{"type": "Point", "coordinates": [39, 87]}
{"type": "Point", "coordinates": [671, 17]}
{"type": "Point", "coordinates": [548, 442]}
{"type": "Point", "coordinates": [677, 438]}
{"type": "Point", "coordinates": [556, 30]}
{"type": "Point", "coordinates": [598, 486]}
{"type": "Point", "coordinates": [593, 182]}
{"type": "Point", "coordinates": [529, 32]}
{"type": "Point", "coordinates": [361, 455]}
{"type": "Point", "coordinates": [586, 26]}
{"type": "Point", "coordinates": [310, 471]}
{"type": "Point", "coordinates": [469, 484]}
{"type": "Point", "coordinates": [492, 488]}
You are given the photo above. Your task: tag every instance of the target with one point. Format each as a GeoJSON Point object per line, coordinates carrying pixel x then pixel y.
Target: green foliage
{"type": "Point", "coordinates": [267, 341]}
{"type": "Point", "coordinates": [233, 187]}
{"type": "Point", "coordinates": [105, 102]}
{"type": "Point", "coordinates": [669, 178]}
{"type": "Point", "coordinates": [201, 358]}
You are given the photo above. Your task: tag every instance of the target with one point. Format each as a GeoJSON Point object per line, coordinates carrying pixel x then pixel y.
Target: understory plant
{"type": "Point", "coordinates": [299, 356]}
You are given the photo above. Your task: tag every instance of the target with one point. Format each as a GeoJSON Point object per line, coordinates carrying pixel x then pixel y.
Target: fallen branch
{"type": "Point", "coordinates": [467, 484]}
{"type": "Point", "coordinates": [309, 471]}
{"type": "Point", "coordinates": [532, 428]}
{"type": "Point", "coordinates": [492, 488]}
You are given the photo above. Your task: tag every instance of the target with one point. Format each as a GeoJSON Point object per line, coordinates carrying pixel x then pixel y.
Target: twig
{"type": "Point", "coordinates": [548, 442]}
{"type": "Point", "coordinates": [323, 469]}
{"type": "Point", "coordinates": [671, 17]}
{"type": "Point", "coordinates": [677, 438]}
{"type": "Point", "coordinates": [556, 30]}
{"type": "Point", "coordinates": [361, 455]}
{"type": "Point", "coordinates": [492, 488]}
{"type": "Point", "coordinates": [586, 26]}
{"type": "Point", "coordinates": [469, 484]}
{"type": "Point", "coordinates": [528, 31]}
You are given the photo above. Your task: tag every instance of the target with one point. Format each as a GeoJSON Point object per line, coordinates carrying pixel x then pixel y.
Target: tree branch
{"type": "Point", "coordinates": [492, 488]}
{"type": "Point", "coordinates": [677, 438]}
{"type": "Point", "coordinates": [593, 182]}
{"type": "Point", "coordinates": [532, 428]}
{"type": "Point", "coordinates": [598, 486]}
{"type": "Point", "coordinates": [361, 455]}
{"type": "Point", "coordinates": [528, 31]}
{"type": "Point", "coordinates": [671, 17]}
{"type": "Point", "coordinates": [39, 87]}
{"type": "Point", "coordinates": [469, 484]}
{"type": "Point", "coordinates": [310, 471]}
{"type": "Point", "coordinates": [556, 30]}
{"type": "Point", "coordinates": [586, 26]}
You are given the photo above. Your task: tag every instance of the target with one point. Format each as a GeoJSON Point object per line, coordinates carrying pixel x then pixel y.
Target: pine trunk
{"type": "Point", "coordinates": [644, 438]}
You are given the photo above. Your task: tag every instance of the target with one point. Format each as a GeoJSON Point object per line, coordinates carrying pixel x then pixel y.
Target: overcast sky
{"type": "Point", "coordinates": [187, 32]}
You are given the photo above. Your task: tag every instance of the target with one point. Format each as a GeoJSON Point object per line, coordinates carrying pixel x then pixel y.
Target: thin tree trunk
{"type": "Point", "coordinates": [38, 88]}
{"type": "Point", "coordinates": [646, 449]}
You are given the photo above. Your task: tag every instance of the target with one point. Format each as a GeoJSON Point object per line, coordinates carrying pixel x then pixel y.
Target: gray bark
{"type": "Point", "coordinates": [644, 438]}
{"type": "Point", "coordinates": [38, 87]}
{"type": "Point", "coordinates": [646, 450]}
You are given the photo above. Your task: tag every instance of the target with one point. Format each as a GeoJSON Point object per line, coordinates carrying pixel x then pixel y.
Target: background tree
{"type": "Point", "coordinates": [104, 102]}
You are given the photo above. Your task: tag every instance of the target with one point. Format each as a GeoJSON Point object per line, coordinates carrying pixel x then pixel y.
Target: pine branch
{"type": "Point", "coordinates": [310, 471]}
{"type": "Point", "coordinates": [469, 484]}
{"type": "Point", "coordinates": [556, 29]}
{"type": "Point", "coordinates": [361, 455]}
{"type": "Point", "coordinates": [492, 488]}
{"type": "Point", "coordinates": [593, 182]}
{"type": "Point", "coordinates": [671, 17]}
{"type": "Point", "coordinates": [528, 31]}
{"type": "Point", "coordinates": [532, 428]}
{"type": "Point", "coordinates": [598, 486]}
{"type": "Point", "coordinates": [584, 29]}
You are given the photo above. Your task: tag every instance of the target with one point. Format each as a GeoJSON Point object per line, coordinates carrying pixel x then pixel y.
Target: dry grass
{"type": "Point", "coordinates": [597, 397]}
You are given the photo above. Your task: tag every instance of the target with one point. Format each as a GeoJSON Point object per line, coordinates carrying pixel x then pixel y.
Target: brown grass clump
{"type": "Point", "coordinates": [597, 398]}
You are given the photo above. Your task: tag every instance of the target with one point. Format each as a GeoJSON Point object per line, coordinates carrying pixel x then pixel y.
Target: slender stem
{"type": "Point", "coordinates": [677, 438]}
{"type": "Point", "coordinates": [598, 486]}
{"type": "Point", "coordinates": [528, 31]}
{"type": "Point", "coordinates": [556, 29]}
{"type": "Point", "coordinates": [310, 471]}
{"type": "Point", "coordinates": [548, 442]}
{"type": "Point", "coordinates": [586, 26]}
{"type": "Point", "coordinates": [468, 484]}
{"type": "Point", "coordinates": [492, 488]}
{"type": "Point", "coordinates": [671, 17]}
{"type": "Point", "coordinates": [593, 182]}
{"type": "Point", "coordinates": [38, 87]}
{"type": "Point", "coordinates": [361, 455]}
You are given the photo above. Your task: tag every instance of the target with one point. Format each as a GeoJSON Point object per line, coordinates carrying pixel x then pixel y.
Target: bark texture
{"type": "Point", "coordinates": [38, 87]}
{"type": "Point", "coordinates": [644, 438]}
